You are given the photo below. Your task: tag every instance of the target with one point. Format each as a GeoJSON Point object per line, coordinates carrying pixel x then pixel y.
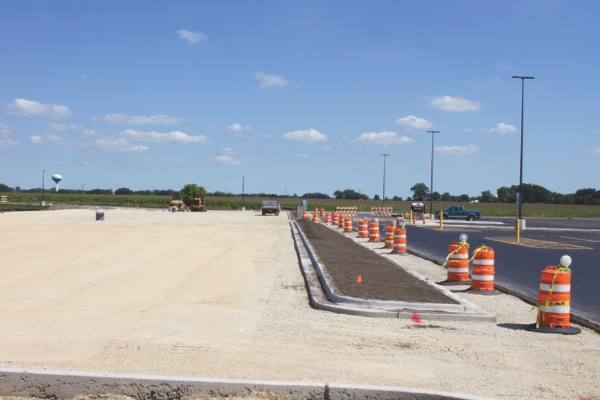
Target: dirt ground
{"type": "Point", "coordinates": [221, 295]}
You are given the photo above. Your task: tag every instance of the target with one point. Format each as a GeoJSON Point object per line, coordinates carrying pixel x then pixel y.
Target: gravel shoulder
{"type": "Point", "coordinates": [220, 295]}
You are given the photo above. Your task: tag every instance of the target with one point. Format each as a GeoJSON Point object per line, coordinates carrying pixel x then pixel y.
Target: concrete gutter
{"type": "Point", "coordinates": [324, 295]}
{"type": "Point", "coordinates": [47, 384]}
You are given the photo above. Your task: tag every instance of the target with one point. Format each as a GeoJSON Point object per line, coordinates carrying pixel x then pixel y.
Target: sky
{"type": "Point", "coordinates": [301, 96]}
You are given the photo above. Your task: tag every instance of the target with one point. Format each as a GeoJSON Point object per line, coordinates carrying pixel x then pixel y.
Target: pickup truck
{"type": "Point", "coordinates": [270, 207]}
{"type": "Point", "coordinates": [458, 212]}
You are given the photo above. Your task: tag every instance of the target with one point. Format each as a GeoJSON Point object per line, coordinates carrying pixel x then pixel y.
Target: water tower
{"type": "Point", "coordinates": [56, 178]}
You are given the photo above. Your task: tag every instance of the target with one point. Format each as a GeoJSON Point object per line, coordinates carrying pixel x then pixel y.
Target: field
{"type": "Point", "coordinates": [32, 201]}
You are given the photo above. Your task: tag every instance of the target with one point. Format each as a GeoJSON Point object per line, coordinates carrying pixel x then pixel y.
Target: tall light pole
{"type": "Point", "coordinates": [384, 156]}
{"type": "Point", "coordinates": [43, 179]}
{"type": "Point", "coordinates": [243, 205]}
{"type": "Point", "coordinates": [431, 181]}
{"type": "Point", "coordinates": [520, 201]}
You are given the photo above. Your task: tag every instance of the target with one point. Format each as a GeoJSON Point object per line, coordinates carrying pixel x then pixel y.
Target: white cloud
{"type": "Point", "coordinates": [33, 108]}
{"type": "Point", "coordinates": [455, 104]}
{"type": "Point", "coordinates": [117, 144]}
{"type": "Point", "coordinates": [5, 144]}
{"type": "Point", "coordinates": [595, 150]}
{"type": "Point", "coordinates": [159, 119]}
{"type": "Point", "coordinates": [385, 138]}
{"type": "Point", "coordinates": [224, 159]}
{"type": "Point", "coordinates": [270, 80]}
{"type": "Point", "coordinates": [5, 130]}
{"type": "Point", "coordinates": [170, 137]}
{"type": "Point", "coordinates": [412, 122]}
{"type": "Point", "coordinates": [311, 135]}
{"type": "Point", "coordinates": [239, 127]}
{"type": "Point", "coordinates": [457, 150]}
{"type": "Point", "coordinates": [302, 155]}
{"type": "Point", "coordinates": [51, 139]}
{"type": "Point", "coordinates": [192, 37]}
{"type": "Point", "coordinates": [502, 129]}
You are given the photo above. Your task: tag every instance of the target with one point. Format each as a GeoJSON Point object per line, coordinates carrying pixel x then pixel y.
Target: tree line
{"type": "Point", "coordinates": [420, 192]}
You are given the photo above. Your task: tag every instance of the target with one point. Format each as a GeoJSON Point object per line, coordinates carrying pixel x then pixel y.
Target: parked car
{"type": "Point", "coordinates": [458, 212]}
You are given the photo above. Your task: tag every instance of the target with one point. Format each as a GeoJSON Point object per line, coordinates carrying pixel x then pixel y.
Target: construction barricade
{"type": "Point", "coordinates": [399, 240]}
{"type": "Point", "coordinates": [363, 228]}
{"type": "Point", "coordinates": [347, 211]}
{"type": "Point", "coordinates": [482, 271]}
{"type": "Point", "coordinates": [457, 263]}
{"type": "Point", "coordinates": [384, 211]}
{"type": "Point", "coordinates": [335, 219]}
{"type": "Point", "coordinates": [347, 224]}
{"type": "Point", "coordinates": [554, 300]}
{"type": "Point", "coordinates": [389, 237]}
{"type": "Point", "coordinates": [374, 231]}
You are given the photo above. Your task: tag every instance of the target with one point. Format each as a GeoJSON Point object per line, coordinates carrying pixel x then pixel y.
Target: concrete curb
{"type": "Point", "coordinates": [324, 295]}
{"type": "Point", "coordinates": [67, 384]}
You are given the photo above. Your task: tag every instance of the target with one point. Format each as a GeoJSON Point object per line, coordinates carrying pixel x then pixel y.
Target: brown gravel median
{"type": "Point", "coordinates": [380, 279]}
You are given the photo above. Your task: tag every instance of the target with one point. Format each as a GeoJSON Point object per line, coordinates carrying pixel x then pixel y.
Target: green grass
{"type": "Point", "coordinates": [31, 201]}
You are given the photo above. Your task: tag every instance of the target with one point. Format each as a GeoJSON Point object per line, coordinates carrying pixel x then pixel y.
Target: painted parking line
{"type": "Point", "coordinates": [538, 244]}
{"type": "Point", "coordinates": [581, 240]}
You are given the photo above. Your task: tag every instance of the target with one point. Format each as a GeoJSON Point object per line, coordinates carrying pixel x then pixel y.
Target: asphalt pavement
{"type": "Point", "coordinates": [518, 265]}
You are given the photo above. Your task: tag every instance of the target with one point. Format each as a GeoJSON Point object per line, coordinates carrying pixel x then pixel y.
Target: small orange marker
{"type": "Point", "coordinates": [359, 279]}
{"type": "Point", "coordinates": [415, 318]}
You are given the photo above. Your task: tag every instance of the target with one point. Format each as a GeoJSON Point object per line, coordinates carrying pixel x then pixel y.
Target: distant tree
{"type": "Point", "coordinates": [349, 194]}
{"type": "Point", "coordinates": [436, 196]}
{"type": "Point", "coordinates": [420, 191]}
{"type": "Point", "coordinates": [190, 190]}
{"type": "Point", "coordinates": [123, 191]}
{"type": "Point", "coordinates": [446, 197]}
{"type": "Point", "coordinates": [506, 195]}
{"type": "Point", "coordinates": [376, 197]}
{"type": "Point", "coordinates": [397, 198]}
{"type": "Point", "coordinates": [464, 197]}
{"type": "Point", "coordinates": [4, 188]}
{"type": "Point", "coordinates": [487, 197]}
{"type": "Point", "coordinates": [315, 196]}
{"type": "Point", "coordinates": [587, 197]}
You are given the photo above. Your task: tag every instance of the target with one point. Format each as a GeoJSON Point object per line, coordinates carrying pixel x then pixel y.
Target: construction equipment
{"type": "Point", "coordinates": [198, 203]}
{"type": "Point", "coordinates": [176, 203]}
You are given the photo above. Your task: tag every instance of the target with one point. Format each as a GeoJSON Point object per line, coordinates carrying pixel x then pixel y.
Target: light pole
{"type": "Point", "coordinates": [520, 200]}
{"type": "Point", "coordinates": [43, 179]}
{"type": "Point", "coordinates": [243, 194]}
{"type": "Point", "coordinates": [384, 156]}
{"type": "Point", "coordinates": [431, 181]}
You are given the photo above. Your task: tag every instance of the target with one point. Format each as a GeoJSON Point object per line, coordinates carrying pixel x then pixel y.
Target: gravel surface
{"type": "Point", "coordinates": [220, 295]}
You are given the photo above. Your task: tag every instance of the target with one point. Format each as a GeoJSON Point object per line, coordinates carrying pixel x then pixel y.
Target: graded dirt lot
{"type": "Point", "coordinates": [220, 295]}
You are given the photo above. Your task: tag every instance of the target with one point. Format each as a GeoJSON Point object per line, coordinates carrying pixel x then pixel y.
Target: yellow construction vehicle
{"type": "Point", "coordinates": [198, 203]}
{"type": "Point", "coordinates": [176, 203]}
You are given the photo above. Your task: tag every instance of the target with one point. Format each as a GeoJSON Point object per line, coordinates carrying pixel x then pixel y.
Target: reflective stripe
{"type": "Point", "coordinates": [482, 277]}
{"type": "Point", "coordinates": [555, 309]}
{"type": "Point", "coordinates": [457, 255]}
{"type": "Point", "coordinates": [556, 288]}
{"type": "Point", "coordinates": [399, 236]}
{"type": "Point", "coordinates": [458, 270]}
{"type": "Point", "coordinates": [482, 262]}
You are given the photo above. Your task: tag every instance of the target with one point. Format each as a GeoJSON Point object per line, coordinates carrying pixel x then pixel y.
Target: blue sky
{"type": "Point", "coordinates": [298, 96]}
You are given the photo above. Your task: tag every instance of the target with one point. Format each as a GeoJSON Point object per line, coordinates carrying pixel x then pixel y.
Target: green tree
{"type": "Point", "coordinates": [487, 197]}
{"type": "Point", "coordinates": [123, 191]}
{"type": "Point", "coordinates": [505, 195]}
{"type": "Point", "coordinates": [420, 191]}
{"type": "Point", "coordinates": [189, 191]}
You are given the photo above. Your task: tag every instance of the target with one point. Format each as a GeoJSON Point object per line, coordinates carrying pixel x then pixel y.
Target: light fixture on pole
{"type": "Point", "coordinates": [520, 200]}
{"type": "Point", "coordinates": [384, 156]}
{"type": "Point", "coordinates": [431, 181]}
